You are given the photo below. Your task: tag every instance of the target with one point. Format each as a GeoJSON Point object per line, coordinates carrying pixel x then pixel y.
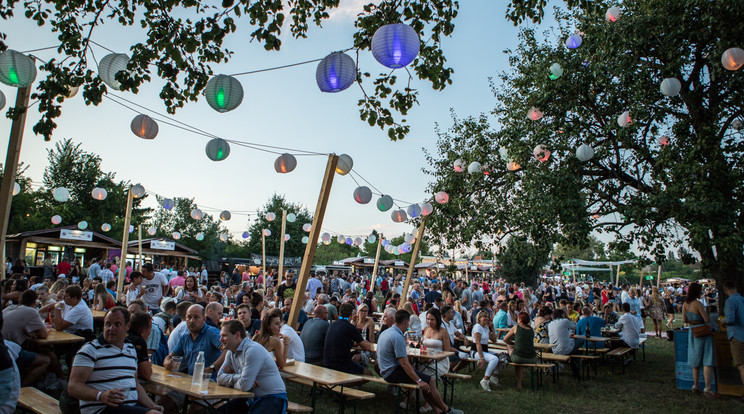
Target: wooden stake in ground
{"type": "Point", "coordinates": [377, 264]}
{"type": "Point", "coordinates": [263, 254]}
{"type": "Point", "coordinates": [124, 244]}
{"type": "Point", "coordinates": [416, 248]}
{"type": "Point", "coordinates": [11, 167]}
{"type": "Point", "coordinates": [281, 249]}
{"type": "Point", "coordinates": [312, 244]}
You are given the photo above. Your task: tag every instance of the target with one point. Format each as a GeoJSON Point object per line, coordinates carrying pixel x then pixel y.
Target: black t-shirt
{"type": "Point", "coordinates": [280, 290]}
{"type": "Point", "coordinates": [340, 338]}
{"type": "Point", "coordinates": [140, 345]}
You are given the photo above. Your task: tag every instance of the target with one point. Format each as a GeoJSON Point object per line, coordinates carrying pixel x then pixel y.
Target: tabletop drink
{"type": "Point", "coordinates": [198, 370]}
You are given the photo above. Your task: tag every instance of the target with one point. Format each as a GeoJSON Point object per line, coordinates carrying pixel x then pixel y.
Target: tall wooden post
{"type": "Point", "coordinates": [9, 173]}
{"type": "Point", "coordinates": [312, 245]}
{"type": "Point", "coordinates": [377, 265]}
{"type": "Point", "coordinates": [617, 278]}
{"type": "Point", "coordinates": [573, 272]}
{"type": "Point", "coordinates": [281, 249]}
{"type": "Point", "coordinates": [263, 254]}
{"type": "Point", "coordinates": [658, 278]}
{"type": "Point", "coordinates": [124, 245]}
{"type": "Point", "coordinates": [411, 265]}
{"type": "Point", "coordinates": [139, 246]}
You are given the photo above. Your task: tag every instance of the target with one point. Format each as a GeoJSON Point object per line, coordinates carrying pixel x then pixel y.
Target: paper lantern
{"type": "Point", "coordinates": [71, 91]}
{"type": "Point", "coordinates": [266, 232]}
{"type": "Point", "coordinates": [225, 215]}
{"type": "Point", "coordinates": [2, 100]}
{"type": "Point", "coordinates": [459, 165]}
{"type": "Point", "coordinates": [138, 191]}
{"type": "Point", "coordinates": [384, 242]}
{"type": "Point", "coordinates": [61, 194]}
{"type": "Point", "coordinates": [345, 164]}
{"type": "Point", "coordinates": [144, 127]}
{"type": "Point", "coordinates": [99, 193]}
{"type": "Point", "coordinates": [245, 234]}
{"type": "Point", "coordinates": [167, 203]}
{"type": "Point", "coordinates": [504, 153]}
{"type": "Point", "coordinates": [396, 250]}
{"type": "Point", "coordinates": [670, 87]}
{"type": "Point", "coordinates": [584, 152]}
{"type": "Point", "coordinates": [408, 238]}
{"type": "Point", "coordinates": [199, 236]}
{"type": "Point", "coordinates": [736, 124]}
{"type": "Point", "coordinates": [426, 209]}
{"type": "Point", "coordinates": [371, 239]}
{"type": "Point", "coordinates": [389, 248]}
{"type": "Point", "coordinates": [556, 71]}
{"type": "Point", "coordinates": [511, 165]}
{"type": "Point", "coordinates": [349, 241]}
{"type": "Point", "coordinates": [624, 119]}
{"type": "Point", "coordinates": [285, 163]}
{"type": "Point", "coordinates": [325, 237]}
{"type": "Point", "coordinates": [176, 235]}
{"type": "Point", "coordinates": [307, 227]}
{"type": "Point", "coordinates": [109, 66]}
{"type": "Point", "coordinates": [151, 231]}
{"type": "Point", "coordinates": [612, 14]}
{"type": "Point", "coordinates": [305, 239]}
{"type": "Point", "coordinates": [663, 140]}
{"type": "Point", "coordinates": [414, 210]}
{"type": "Point", "coordinates": [17, 69]}
{"type": "Point", "coordinates": [197, 214]}
{"type": "Point", "coordinates": [286, 237]}
{"type": "Point", "coordinates": [732, 59]}
{"type": "Point", "coordinates": [105, 227]}
{"type": "Point", "coordinates": [399, 216]}
{"type": "Point", "coordinates": [336, 72]}
{"type": "Point", "coordinates": [574, 41]}
{"type": "Point", "coordinates": [83, 225]}
{"type": "Point", "coordinates": [405, 247]}
{"type": "Point", "coordinates": [474, 167]}
{"type": "Point", "coordinates": [223, 237]}
{"type": "Point", "coordinates": [340, 239]}
{"type": "Point", "coordinates": [16, 188]}
{"type": "Point", "coordinates": [362, 194]}
{"type": "Point", "coordinates": [357, 241]}
{"type": "Point", "coordinates": [224, 93]}
{"type": "Point", "coordinates": [56, 219]}
{"type": "Point", "coordinates": [441, 197]}
{"type": "Point", "coordinates": [291, 217]}
{"type": "Point", "coordinates": [534, 114]}
{"type": "Point", "coordinates": [270, 216]}
{"type": "Point", "coordinates": [217, 149]}
{"type": "Point", "coordinates": [384, 203]}
{"type": "Point", "coordinates": [395, 45]}
{"type": "Point", "coordinates": [541, 153]}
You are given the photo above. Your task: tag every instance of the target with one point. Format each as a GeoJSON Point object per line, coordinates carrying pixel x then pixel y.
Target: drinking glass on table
{"type": "Point", "coordinates": [177, 361]}
{"type": "Point", "coordinates": [206, 377]}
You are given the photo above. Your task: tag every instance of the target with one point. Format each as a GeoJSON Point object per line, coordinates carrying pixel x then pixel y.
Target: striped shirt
{"type": "Point", "coordinates": [112, 368]}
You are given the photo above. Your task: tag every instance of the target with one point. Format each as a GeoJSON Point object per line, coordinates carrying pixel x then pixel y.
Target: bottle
{"type": "Point", "coordinates": [198, 370]}
{"type": "Point", "coordinates": [587, 331]}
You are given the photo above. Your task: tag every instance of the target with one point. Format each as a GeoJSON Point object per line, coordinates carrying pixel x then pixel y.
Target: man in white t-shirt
{"type": "Point", "coordinates": [73, 314]}
{"type": "Point", "coordinates": [204, 276]}
{"type": "Point", "coordinates": [296, 347]}
{"type": "Point", "coordinates": [156, 286]}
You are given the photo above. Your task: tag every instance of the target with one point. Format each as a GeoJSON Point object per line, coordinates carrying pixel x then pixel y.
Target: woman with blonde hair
{"type": "Point", "coordinates": [270, 337]}
{"type": "Point", "coordinates": [482, 333]}
{"type": "Point", "coordinates": [655, 308]}
{"type": "Point", "coordinates": [414, 323]}
{"type": "Point", "coordinates": [102, 299]}
{"type": "Point", "coordinates": [364, 323]}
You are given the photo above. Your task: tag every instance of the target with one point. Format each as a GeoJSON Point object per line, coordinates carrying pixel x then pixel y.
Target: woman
{"type": "Point", "coordinates": [655, 310]}
{"type": "Point", "coordinates": [75, 272]}
{"type": "Point", "coordinates": [224, 279]}
{"type": "Point", "coordinates": [511, 296]}
{"type": "Point", "coordinates": [364, 323]}
{"type": "Point", "coordinates": [521, 345]}
{"type": "Point", "coordinates": [435, 338]}
{"type": "Point", "coordinates": [511, 314]}
{"type": "Point", "coordinates": [544, 316]}
{"type": "Point", "coordinates": [481, 334]}
{"type": "Point", "coordinates": [669, 309]}
{"type": "Point", "coordinates": [458, 317]}
{"type": "Point", "coordinates": [190, 291]}
{"type": "Point", "coordinates": [414, 323]}
{"type": "Point", "coordinates": [258, 310]}
{"type": "Point", "coordinates": [699, 350]}
{"type": "Point", "coordinates": [102, 299]}
{"type": "Point", "coordinates": [48, 267]}
{"type": "Point", "coordinates": [371, 302]}
{"type": "Point", "coordinates": [271, 339]}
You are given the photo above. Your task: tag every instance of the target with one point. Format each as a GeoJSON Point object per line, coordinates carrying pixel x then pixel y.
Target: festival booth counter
{"type": "Point", "coordinates": [726, 380]}
{"type": "Point", "coordinates": [162, 252]}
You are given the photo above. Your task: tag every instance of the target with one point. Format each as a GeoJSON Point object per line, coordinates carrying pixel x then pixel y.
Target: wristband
{"type": "Point", "coordinates": [98, 397]}
{"type": "Point", "coordinates": [419, 380]}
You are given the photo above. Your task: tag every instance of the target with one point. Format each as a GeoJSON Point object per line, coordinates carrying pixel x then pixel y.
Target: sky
{"type": "Point", "coordinates": [283, 108]}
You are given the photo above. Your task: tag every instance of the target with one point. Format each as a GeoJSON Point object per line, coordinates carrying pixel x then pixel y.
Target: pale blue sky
{"type": "Point", "coordinates": [283, 108]}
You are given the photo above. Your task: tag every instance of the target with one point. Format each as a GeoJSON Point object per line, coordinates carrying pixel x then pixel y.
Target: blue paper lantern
{"type": "Point", "coordinates": [574, 41]}
{"type": "Point", "coordinates": [395, 45]}
{"type": "Point", "coordinates": [335, 72]}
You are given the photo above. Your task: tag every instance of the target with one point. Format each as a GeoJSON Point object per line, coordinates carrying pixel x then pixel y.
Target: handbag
{"type": "Point", "coordinates": [701, 331]}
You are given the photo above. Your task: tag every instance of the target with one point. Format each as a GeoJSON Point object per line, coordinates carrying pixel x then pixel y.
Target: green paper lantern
{"type": "Point", "coordinates": [217, 149]}
{"type": "Point", "coordinates": [384, 203]}
{"type": "Point", "coordinates": [17, 69]}
{"type": "Point", "coordinates": [224, 93]}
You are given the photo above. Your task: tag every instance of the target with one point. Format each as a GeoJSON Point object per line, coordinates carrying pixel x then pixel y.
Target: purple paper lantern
{"type": "Point", "coordinates": [335, 72]}
{"type": "Point", "coordinates": [395, 45]}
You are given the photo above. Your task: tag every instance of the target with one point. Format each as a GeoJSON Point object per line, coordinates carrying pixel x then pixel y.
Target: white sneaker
{"type": "Point", "coordinates": [454, 411]}
{"type": "Point", "coordinates": [484, 383]}
{"type": "Point", "coordinates": [495, 381]}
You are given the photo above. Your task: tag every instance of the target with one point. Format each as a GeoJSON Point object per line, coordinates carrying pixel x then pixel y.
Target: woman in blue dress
{"type": "Point", "coordinates": [700, 350]}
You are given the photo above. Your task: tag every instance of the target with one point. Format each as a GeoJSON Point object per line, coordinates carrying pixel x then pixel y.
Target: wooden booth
{"type": "Point", "coordinates": [160, 252]}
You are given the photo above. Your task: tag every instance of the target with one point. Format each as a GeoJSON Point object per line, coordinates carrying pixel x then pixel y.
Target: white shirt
{"type": "Point", "coordinates": [451, 329]}
{"type": "Point", "coordinates": [296, 348]}
{"type": "Point", "coordinates": [79, 316]}
{"type": "Point", "coordinates": [177, 332]}
{"type": "Point", "coordinates": [154, 290]}
{"type": "Point", "coordinates": [631, 329]}
{"type": "Point", "coordinates": [560, 334]}
{"type": "Point", "coordinates": [485, 333]}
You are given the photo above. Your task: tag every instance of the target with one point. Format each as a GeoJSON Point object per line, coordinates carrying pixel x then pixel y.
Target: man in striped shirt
{"type": "Point", "coordinates": [103, 375]}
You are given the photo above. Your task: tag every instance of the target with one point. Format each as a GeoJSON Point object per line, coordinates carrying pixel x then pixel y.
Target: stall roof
{"type": "Point", "coordinates": [53, 236]}
{"type": "Point", "coordinates": [165, 247]}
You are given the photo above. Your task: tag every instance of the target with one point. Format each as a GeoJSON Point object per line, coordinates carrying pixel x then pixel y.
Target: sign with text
{"type": "Point", "coordinates": [273, 261]}
{"type": "Point", "coordinates": [369, 260]}
{"type": "Point", "coordinates": [400, 263]}
{"type": "Point", "coordinates": [78, 235]}
{"type": "Point", "coordinates": [162, 245]}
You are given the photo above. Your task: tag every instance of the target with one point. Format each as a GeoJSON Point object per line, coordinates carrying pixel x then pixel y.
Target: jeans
{"type": "Point", "coordinates": [269, 404]}
{"type": "Point", "coordinates": [10, 388]}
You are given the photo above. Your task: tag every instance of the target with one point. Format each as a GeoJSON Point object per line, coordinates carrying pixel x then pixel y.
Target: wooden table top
{"type": "Point", "coordinates": [181, 382]}
{"type": "Point", "coordinates": [592, 338]}
{"type": "Point", "coordinates": [59, 337]}
{"type": "Point", "coordinates": [501, 343]}
{"type": "Point", "coordinates": [320, 375]}
{"type": "Point", "coordinates": [416, 353]}
{"type": "Point", "coordinates": [98, 314]}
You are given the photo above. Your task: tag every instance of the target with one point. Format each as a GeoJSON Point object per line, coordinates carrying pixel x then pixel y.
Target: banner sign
{"type": "Point", "coordinates": [369, 260]}
{"type": "Point", "coordinates": [162, 245]}
{"type": "Point", "coordinates": [78, 235]}
{"type": "Point", "coordinates": [400, 263]}
{"type": "Point", "coordinates": [273, 261]}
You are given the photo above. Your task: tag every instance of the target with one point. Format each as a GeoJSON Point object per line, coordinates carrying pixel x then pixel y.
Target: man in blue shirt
{"type": "Point", "coordinates": [735, 326]}
{"type": "Point", "coordinates": [594, 324]}
{"type": "Point", "coordinates": [201, 337]}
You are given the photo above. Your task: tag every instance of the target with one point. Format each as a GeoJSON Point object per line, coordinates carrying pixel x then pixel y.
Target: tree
{"type": "Point", "coordinates": [185, 38]}
{"type": "Point", "coordinates": [327, 254]}
{"type": "Point", "coordinates": [594, 250]}
{"type": "Point", "coordinates": [294, 247]}
{"type": "Point", "coordinates": [671, 175]}
{"type": "Point", "coordinates": [178, 219]}
{"type": "Point", "coordinates": [521, 261]}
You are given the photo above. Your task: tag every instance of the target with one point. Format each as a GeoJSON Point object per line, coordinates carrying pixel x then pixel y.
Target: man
{"type": "Point", "coordinates": [204, 276]}
{"type": "Point", "coordinates": [630, 334]}
{"type": "Point", "coordinates": [734, 311]}
{"type": "Point", "coordinates": [392, 357]}
{"type": "Point", "coordinates": [156, 286]}
{"type": "Point", "coordinates": [214, 314]}
{"type": "Point", "coordinates": [103, 376]}
{"type": "Point", "coordinates": [572, 314]}
{"type": "Point", "coordinates": [21, 323]}
{"type": "Point", "coordinates": [433, 294]}
{"type": "Point", "coordinates": [301, 318]}
{"type": "Point", "coordinates": [388, 319]}
{"type": "Point", "coordinates": [287, 284]}
{"type": "Point", "coordinates": [106, 274]}
{"type": "Point", "coordinates": [244, 316]}
{"type": "Point", "coordinates": [249, 367]}
{"type": "Point", "coordinates": [136, 289]}
{"type": "Point", "coordinates": [200, 337]}
{"type": "Point", "coordinates": [128, 270]}
{"type": "Point", "coordinates": [94, 269]}
{"type": "Point", "coordinates": [236, 277]}
{"type": "Point", "coordinates": [339, 340]}
{"type": "Point", "coordinates": [590, 323]}
{"type": "Point", "coordinates": [500, 320]}
{"type": "Point", "coordinates": [177, 281]}
{"type": "Point", "coordinates": [477, 293]}
{"type": "Point", "coordinates": [312, 285]}
{"type": "Point", "coordinates": [332, 307]}
{"type": "Point", "coordinates": [63, 268]}
{"type": "Point", "coordinates": [314, 334]}
{"type": "Point", "coordinates": [73, 314]}
{"type": "Point", "coordinates": [179, 328]}
{"type": "Point", "coordinates": [139, 330]}
{"type": "Point", "coordinates": [466, 298]}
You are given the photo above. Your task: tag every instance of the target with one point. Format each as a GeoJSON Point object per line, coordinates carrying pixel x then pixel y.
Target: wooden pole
{"type": "Point", "coordinates": [139, 246]}
{"type": "Point", "coordinates": [658, 278]}
{"type": "Point", "coordinates": [377, 264]}
{"type": "Point", "coordinates": [573, 272]}
{"type": "Point", "coordinates": [416, 248]}
{"type": "Point", "coordinates": [9, 173]}
{"type": "Point", "coordinates": [263, 254]}
{"type": "Point", "coordinates": [281, 249]}
{"type": "Point", "coordinates": [124, 245]}
{"type": "Point", "coordinates": [312, 245]}
{"type": "Point", "coordinates": [617, 277]}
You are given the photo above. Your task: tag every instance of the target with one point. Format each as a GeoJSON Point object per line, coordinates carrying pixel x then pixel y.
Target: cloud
{"type": "Point", "coordinates": [349, 9]}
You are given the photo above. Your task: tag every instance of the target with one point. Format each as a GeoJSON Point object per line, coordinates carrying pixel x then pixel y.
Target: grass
{"type": "Point", "coordinates": [646, 387]}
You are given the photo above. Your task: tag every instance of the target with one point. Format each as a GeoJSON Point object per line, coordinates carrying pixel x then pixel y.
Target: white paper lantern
{"type": "Point", "coordinates": [541, 153]}
{"type": "Point", "coordinates": [225, 215]}
{"type": "Point", "coordinates": [441, 197]}
{"type": "Point", "coordinates": [217, 149]}
{"type": "Point", "coordinates": [534, 114]}
{"type": "Point", "coordinates": [733, 59]}
{"type": "Point", "coordinates": [245, 234]}
{"type": "Point", "coordinates": [176, 235]}
{"type": "Point", "coordinates": [109, 66]}
{"type": "Point", "coordinates": [504, 154]}
{"type": "Point", "coordinates": [16, 188]}
{"type": "Point", "coordinates": [61, 194]}
{"type": "Point", "coordinates": [17, 69]}
{"type": "Point", "coordinates": [362, 194]}
{"type": "Point", "coordinates": [474, 167]}
{"type": "Point", "coordinates": [340, 239]}
{"type": "Point", "coordinates": [384, 203]}
{"type": "Point", "coordinates": [270, 216]}
{"type": "Point", "coordinates": [307, 227]}
{"type": "Point", "coordinates": [266, 232]}
{"type": "Point", "coordinates": [168, 203]}
{"type": "Point", "coordinates": [2, 100]}
{"type": "Point", "coordinates": [389, 248]}
{"type": "Point", "coordinates": [408, 238]}
{"type": "Point", "coordinates": [99, 193]}
{"type": "Point", "coordinates": [105, 227]}
{"type": "Point", "coordinates": [612, 14]}
{"type": "Point", "coordinates": [663, 140]}
{"type": "Point", "coordinates": [574, 41]}
{"type": "Point", "coordinates": [736, 124]}
{"type": "Point", "coordinates": [395, 45]}
{"type": "Point", "coordinates": [345, 164]}
{"type": "Point", "coordinates": [396, 250]}
{"type": "Point", "coordinates": [371, 238]}
{"type": "Point", "coordinates": [197, 214]}
{"type": "Point", "coordinates": [426, 209]}
{"type": "Point", "coordinates": [414, 210]}
{"type": "Point", "coordinates": [83, 225]}
{"type": "Point", "coordinates": [670, 87]}
{"type": "Point", "coordinates": [399, 216]}
{"type": "Point", "coordinates": [285, 163]}
{"type": "Point", "coordinates": [151, 231]}
{"type": "Point", "coordinates": [358, 241]}
{"type": "Point", "coordinates": [459, 165]}
{"type": "Point", "coordinates": [325, 237]}
{"type": "Point", "coordinates": [199, 236]}
{"type": "Point", "coordinates": [224, 93]}
{"type": "Point", "coordinates": [223, 237]}
{"type": "Point", "coordinates": [305, 239]}
{"type": "Point", "coordinates": [624, 119]}
{"type": "Point", "coordinates": [71, 91]}
{"type": "Point", "coordinates": [584, 152]}
{"type": "Point", "coordinates": [138, 191]}
{"type": "Point", "coordinates": [56, 219]}
{"type": "Point", "coordinates": [144, 127]}
{"type": "Point", "coordinates": [286, 237]}
{"type": "Point", "coordinates": [336, 72]}
{"type": "Point", "coordinates": [291, 217]}
{"type": "Point", "coordinates": [556, 71]}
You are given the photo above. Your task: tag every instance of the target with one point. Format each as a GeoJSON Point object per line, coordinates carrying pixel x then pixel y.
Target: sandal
{"type": "Point", "coordinates": [710, 394]}
{"type": "Point", "coordinates": [695, 390]}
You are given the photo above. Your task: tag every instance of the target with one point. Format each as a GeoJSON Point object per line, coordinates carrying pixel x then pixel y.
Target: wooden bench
{"type": "Point", "coordinates": [37, 402]}
{"type": "Point", "coordinates": [556, 360]}
{"type": "Point", "coordinates": [532, 367]}
{"type": "Point", "coordinates": [618, 354]}
{"type": "Point", "coordinates": [347, 392]}
{"type": "Point", "coordinates": [642, 347]}
{"type": "Point", "coordinates": [403, 386]}
{"type": "Point", "coordinates": [298, 408]}
{"type": "Point", "coordinates": [448, 381]}
{"type": "Point", "coordinates": [586, 361]}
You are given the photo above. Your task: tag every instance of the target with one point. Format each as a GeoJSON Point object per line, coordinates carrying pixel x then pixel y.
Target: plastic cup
{"type": "Point", "coordinates": [206, 377]}
{"type": "Point", "coordinates": [177, 361]}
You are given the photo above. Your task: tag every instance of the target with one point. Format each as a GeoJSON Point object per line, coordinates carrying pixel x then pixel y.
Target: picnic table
{"type": "Point", "coordinates": [59, 337]}
{"type": "Point", "coordinates": [325, 377]}
{"type": "Point", "coordinates": [594, 340]}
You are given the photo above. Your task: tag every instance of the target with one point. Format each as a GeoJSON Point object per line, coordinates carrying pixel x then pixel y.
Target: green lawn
{"type": "Point", "coordinates": [646, 387]}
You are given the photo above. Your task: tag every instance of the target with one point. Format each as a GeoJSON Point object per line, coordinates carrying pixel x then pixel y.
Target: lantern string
{"type": "Point", "coordinates": [284, 66]}
{"type": "Point", "coordinates": [39, 50]}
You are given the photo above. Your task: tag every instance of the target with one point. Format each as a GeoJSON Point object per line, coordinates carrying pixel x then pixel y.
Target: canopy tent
{"type": "Point", "coordinates": [585, 268]}
{"type": "Point", "coordinates": [603, 263]}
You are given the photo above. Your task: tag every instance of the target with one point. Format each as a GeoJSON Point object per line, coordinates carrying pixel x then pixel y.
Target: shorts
{"type": "Point", "coordinates": [126, 409]}
{"type": "Point", "coordinates": [737, 351]}
{"type": "Point", "coordinates": [399, 376]}
{"type": "Point", "coordinates": [26, 358]}
{"type": "Point", "coordinates": [351, 368]}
